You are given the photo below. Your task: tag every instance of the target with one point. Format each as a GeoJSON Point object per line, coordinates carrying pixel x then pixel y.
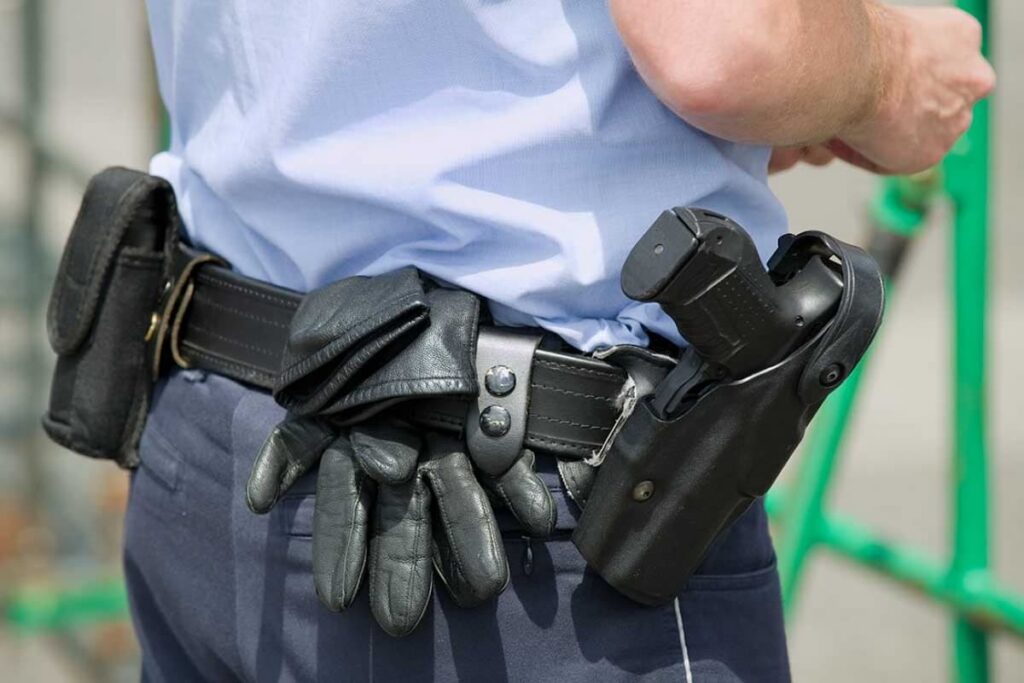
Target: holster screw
{"type": "Point", "coordinates": [643, 491]}
{"type": "Point", "coordinates": [831, 375]}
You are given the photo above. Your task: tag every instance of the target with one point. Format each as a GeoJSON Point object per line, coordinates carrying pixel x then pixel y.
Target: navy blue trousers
{"type": "Point", "coordinates": [220, 594]}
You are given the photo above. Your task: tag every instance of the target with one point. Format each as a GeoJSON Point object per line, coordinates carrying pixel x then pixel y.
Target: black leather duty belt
{"type": "Point", "coordinates": [215, 319]}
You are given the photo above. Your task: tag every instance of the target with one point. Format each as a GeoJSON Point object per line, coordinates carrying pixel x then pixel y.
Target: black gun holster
{"type": "Point", "coordinates": [667, 488]}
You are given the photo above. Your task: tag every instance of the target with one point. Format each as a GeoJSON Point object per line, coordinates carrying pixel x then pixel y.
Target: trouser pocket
{"type": "Point", "coordinates": [731, 609]}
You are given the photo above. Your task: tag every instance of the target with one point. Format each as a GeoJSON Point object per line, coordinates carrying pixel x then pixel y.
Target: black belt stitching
{"type": "Point", "coordinates": [206, 279]}
{"type": "Point", "coordinates": [202, 298]}
{"type": "Point", "coordinates": [571, 423]}
{"type": "Point", "coordinates": [569, 392]}
{"type": "Point", "coordinates": [212, 359]}
{"type": "Point", "coordinates": [604, 374]}
{"type": "Point", "coordinates": [558, 443]}
{"type": "Point", "coordinates": [262, 350]}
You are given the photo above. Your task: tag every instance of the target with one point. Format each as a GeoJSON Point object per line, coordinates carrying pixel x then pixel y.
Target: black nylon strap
{"type": "Point", "coordinates": [237, 327]}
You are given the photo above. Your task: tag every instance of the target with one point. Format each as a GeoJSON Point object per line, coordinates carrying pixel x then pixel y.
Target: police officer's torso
{"type": "Point", "coordinates": [507, 147]}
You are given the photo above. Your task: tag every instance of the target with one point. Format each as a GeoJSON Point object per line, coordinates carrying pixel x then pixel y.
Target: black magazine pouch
{"type": "Point", "coordinates": [668, 487]}
{"type": "Point", "coordinates": [110, 279]}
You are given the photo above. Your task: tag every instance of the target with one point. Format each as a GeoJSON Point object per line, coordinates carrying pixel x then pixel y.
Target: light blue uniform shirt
{"type": "Point", "coordinates": [506, 147]}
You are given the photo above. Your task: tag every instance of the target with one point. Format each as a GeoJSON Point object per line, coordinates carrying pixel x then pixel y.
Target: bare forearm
{"type": "Point", "coordinates": [777, 72]}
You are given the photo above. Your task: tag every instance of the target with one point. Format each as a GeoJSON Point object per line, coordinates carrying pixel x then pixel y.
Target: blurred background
{"type": "Point", "coordinates": [77, 76]}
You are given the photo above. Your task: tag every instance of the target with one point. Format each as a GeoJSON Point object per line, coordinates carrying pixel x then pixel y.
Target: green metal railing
{"type": "Point", "coordinates": [45, 609]}
{"type": "Point", "coordinates": [965, 584]}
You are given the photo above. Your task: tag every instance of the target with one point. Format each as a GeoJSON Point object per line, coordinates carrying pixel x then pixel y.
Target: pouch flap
{"type": "Point", "coordinates": [120, 207]}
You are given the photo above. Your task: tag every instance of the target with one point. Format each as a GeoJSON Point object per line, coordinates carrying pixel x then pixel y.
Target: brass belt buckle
{"type": "Point", "coordinates": [165, 323]}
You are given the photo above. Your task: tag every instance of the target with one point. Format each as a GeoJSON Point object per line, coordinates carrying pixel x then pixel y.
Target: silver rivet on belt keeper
{"type": "Point", "coordinates": [496, 422]}
{"type": "Point", "coordinates": [499, 380]}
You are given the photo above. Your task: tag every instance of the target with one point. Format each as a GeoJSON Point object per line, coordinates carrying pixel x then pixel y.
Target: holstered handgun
{"type": "Point", "coordinates": [766, 348]}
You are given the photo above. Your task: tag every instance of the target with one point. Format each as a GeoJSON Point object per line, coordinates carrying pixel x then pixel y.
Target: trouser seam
{"type": "Point", "coordinates": [682, 641]}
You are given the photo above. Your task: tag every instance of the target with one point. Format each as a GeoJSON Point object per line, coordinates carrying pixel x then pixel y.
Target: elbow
{"type": "Point", "coordinates": [698, 70]}
{"type": "Point", "coordinates": [695, 95]}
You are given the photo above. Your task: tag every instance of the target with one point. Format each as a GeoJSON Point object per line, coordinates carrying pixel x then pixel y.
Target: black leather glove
{"type": "Point", "coordinates": [383, 490]}
{"type": "Point", "coordinates": [403, 501]}
{"type": "Point", "coordinates": [361, 344]}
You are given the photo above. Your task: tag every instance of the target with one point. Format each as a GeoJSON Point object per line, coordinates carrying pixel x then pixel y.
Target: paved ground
{"type": "Point", "coordinates": [896, 476]}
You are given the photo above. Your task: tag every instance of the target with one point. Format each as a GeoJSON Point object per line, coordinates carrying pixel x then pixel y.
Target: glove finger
{"type": "Point", "coordinates": [468, 551]}
{"type": "Point", "coordinates": [344, 496]}
{"type": "Point", "coordinates": [525, 495]}
{"type": "Point", "coordinates": [400, 555]}
{"type": "Point", "coordinates": [288, 453]}
{"type": "Point", "coordinates": [387, 450]}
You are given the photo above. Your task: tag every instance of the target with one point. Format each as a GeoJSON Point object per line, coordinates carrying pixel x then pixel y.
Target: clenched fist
{"type": "Point", "coordinates": [935, 74]}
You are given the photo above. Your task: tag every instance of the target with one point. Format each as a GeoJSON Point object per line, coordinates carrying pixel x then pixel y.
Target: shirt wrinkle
{"type": "Point", "coordinates": [510, 148]}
